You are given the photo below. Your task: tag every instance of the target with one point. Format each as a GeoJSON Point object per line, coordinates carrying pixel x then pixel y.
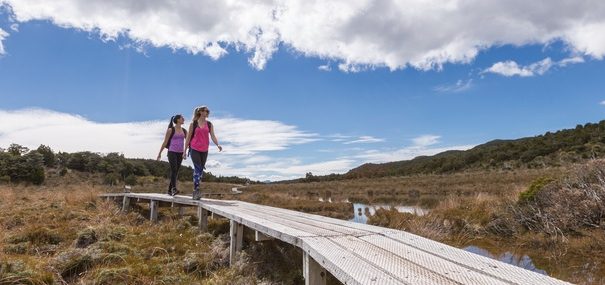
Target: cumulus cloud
{"type": "Point", "coordinates": [244, 141]}
{"type": "Point", "coordinates": [357, 34]}
{"type": "Point", "coordinates": [511, 68]}
{"type": "Point", "coordinates": [3, 35]}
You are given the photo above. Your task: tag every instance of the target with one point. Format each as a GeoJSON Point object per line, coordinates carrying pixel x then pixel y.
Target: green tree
{"type": "Point", "coordinates": [130, 180]}
{"type": "Point", "coordinates": [17, 150]}
{"type": "Point", "coordinates": [48, 155]}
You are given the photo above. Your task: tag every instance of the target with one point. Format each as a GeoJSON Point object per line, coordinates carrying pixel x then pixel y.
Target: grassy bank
{"type": "Point", "coordinates": [67, 236]}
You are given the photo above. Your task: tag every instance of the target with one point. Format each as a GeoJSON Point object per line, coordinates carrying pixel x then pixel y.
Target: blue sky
{"type": "Point", "coordinates": [286, 105]}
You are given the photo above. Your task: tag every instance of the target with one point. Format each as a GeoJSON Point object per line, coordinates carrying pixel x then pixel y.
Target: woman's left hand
{"type": "Point", "coordinates": [220, 148]}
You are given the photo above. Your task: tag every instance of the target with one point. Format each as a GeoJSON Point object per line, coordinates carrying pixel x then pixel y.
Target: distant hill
{"type": "Point", "coordinates": [550, 149]}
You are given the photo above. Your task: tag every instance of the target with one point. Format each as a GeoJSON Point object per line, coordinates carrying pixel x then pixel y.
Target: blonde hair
{"type": "Point", "coordinates": [197, 112]}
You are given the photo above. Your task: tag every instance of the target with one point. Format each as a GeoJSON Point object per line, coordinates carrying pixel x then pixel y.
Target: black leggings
{"type": "Point", "coordinates": [199, 163]}
{"type": "Point", "coordinates": [175, 159]}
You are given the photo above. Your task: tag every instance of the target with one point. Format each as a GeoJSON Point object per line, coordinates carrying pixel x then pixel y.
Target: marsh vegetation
{"type": "Point", "coordinates": [60, 233]}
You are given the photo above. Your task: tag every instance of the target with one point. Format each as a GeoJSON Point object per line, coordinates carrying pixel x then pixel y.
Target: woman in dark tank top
{"type": "Point", "coordinates": [174, 141]}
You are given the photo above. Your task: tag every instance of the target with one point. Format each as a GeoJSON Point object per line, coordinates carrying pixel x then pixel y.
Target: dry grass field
{"type": "Point", "coordinates": [60, 233]}
{"type": "Point", "coordinates": [65, 235]}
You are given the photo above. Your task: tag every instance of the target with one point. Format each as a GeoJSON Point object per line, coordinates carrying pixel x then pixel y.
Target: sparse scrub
{"type": "Point", "coordinates": [569, 205]}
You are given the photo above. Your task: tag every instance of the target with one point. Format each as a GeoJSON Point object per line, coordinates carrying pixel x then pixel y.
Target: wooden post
{"type": "Point", "coordinates": [314, 273]}
{"type": "Point", "coordinates": [181, 211]}
{"type": "Point", "coordinates": [153, 207]}
{"type": "Point", "coordinates": [258, 236]}
{"type": "Point", "coordinates": [237, 235]}
{"type": "Point", "coordinates": [125, 204]}
{"type": "Point", "coordinates": [202, 219]}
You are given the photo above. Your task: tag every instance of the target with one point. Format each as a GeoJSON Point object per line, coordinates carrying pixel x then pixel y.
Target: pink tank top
{"type": "Point", "coordinates": [201, 140]}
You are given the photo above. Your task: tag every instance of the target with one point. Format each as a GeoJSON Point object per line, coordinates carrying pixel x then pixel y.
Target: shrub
{"type": "Point", "coordinates": [533, 189]}
{"type": "Point", "coordinates": [565, 207]}
{"type": "Point", "coordinates": [130, 180]}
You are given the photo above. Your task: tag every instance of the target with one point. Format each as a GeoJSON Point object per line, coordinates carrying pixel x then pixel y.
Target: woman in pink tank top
{"type": "Point", "coordinates": [198, 140]}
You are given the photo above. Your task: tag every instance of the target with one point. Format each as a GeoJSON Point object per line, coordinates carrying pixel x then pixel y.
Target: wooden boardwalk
{"type": "Point", "coordinates": [354, 253]}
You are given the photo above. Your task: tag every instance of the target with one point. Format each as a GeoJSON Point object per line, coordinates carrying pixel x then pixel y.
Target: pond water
{"type": "Point", "coordinates": [520, 260]}
{"type": "Point", "coordinates": [581, 270]}
{"type": "Point", "coordinates": [361, 211]}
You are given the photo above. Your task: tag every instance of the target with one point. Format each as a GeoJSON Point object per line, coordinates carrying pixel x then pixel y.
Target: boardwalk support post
{"type": "Point", "coordinates": [202, 219]}
{"type": "Point", "coordinates": [181, 211]}
{"type": "Point", "coordinates": [237, 235]}
{"type": "Point", "coordinates": [125, 204]}
{"type": "Point", "coordinates": [314, 273]}
{"type": "Point", "coordinates": [153, 207]}
{"type": "Point", "coordinates": [258, 236]}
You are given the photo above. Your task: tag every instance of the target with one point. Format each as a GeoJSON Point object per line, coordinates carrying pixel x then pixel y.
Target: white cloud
{"type": "Point", "coordinates": [459, 86]}
{"type": "Point", "coordinates": [358, 34]}
{"type": "Point", "coordinates": [425, 140]}
{"type": "Point", "coordinates": [252, 136]}
{"type": "Point", "coordinates": [15, 27]}
{"type": "Point", "coordinates": [365, 139]}
{"type": "Point", "coordinates": [421, 146]}
{"type": "Point", "coordinates": [602, 102]}
{"type": "Point", "coordinates": [243, 140]}
{"type": "Point", "coordinates": [3, 35]}
{"type": "Point", "coordinates": [406, 153]}
{"type": "Point", "coordinates": [325, 67]}
{"type": "Point", "coordinates": [338, 138]}
{"type": "Point", "coordinates": [571, 60]}
{"type": "Point", "coordinates": [286, 168]}
{"type": "Point", "coordinates": [511, 68]}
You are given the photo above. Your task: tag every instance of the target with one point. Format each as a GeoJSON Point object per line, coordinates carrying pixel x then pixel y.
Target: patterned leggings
{"type": "Point", "coordinates": [199, 162]}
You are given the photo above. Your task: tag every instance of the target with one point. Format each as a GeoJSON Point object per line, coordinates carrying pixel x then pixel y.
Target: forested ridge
{"type": "Point", "coordinates": [547, 150]}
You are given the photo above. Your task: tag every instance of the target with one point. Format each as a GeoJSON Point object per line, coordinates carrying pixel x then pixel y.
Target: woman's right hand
{"type": "Point", "coordinates": [159, 157]}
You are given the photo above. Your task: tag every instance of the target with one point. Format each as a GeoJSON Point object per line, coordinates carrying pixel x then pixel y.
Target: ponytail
{"type": "Point", "coordinates": [171, 124]}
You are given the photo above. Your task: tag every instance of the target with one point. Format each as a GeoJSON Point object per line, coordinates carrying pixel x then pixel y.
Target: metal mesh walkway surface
{"type": "Point", "coordinates": [354, 253]}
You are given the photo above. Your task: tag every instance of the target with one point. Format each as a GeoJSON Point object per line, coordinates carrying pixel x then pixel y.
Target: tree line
{"type": "Point", "coordinates": [20, 164]}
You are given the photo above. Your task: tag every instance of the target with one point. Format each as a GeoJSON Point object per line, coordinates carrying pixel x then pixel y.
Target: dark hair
{"type": "Point", "coordinates": [173, 120]}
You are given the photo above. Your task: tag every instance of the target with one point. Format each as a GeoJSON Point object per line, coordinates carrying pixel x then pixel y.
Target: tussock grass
{"type": "Point", "coordinates": [65, 235]}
